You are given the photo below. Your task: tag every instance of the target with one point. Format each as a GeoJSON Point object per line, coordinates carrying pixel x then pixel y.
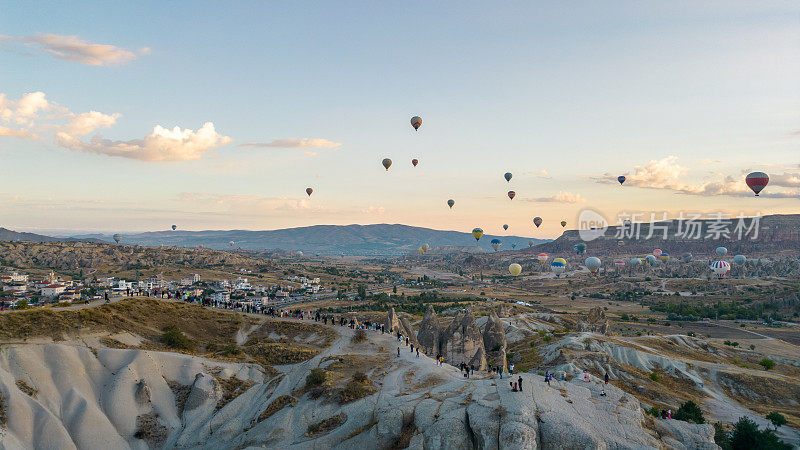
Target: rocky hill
{"type": "Point", "coordinates": [362, 240]}
{"type": "Point", "coordinates": [771, 233]}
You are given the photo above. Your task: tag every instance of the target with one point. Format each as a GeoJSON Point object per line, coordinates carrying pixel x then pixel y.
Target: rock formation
{"type": "Point", "coordinates": [494, 341]}
{"type": "Point", "coordinates": [429, 332]}
{"type": "Point", "coordinates": [395, 324]}
{"type": "Point", "coordinates": [462, 341]}
{"type": "Point", "coordinates": [595, 322]}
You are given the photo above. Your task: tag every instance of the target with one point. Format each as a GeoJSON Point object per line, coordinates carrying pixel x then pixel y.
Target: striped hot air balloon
{"type": "Point", "coordinates": [757, 181]}
{"type": "Point", "coordinates": [558, 266]}
{"type": "Point", "coordinates": [721, 268]}
{"type": "Point", "coordinates": [542, 257]}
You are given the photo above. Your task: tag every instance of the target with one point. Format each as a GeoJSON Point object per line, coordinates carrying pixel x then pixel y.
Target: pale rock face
{"type": "Point", "coordinates": [429, 332]}
{"type": "Point", "coordinates": [462, 342]}
{"type": "Point", "coordinates": [685, 435]}
{"type": "Point", "coordinates": [596, 322]}
{"type": "Point", "coordinates": [494, 341]}
{"type": "Point", "coordinates": [395, 323]}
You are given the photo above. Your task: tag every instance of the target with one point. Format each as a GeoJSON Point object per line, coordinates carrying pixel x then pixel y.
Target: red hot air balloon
{"type": "Point", "coordinates": [414, 162]}
{"type": "Point", "coordinates": [757, 181]}
{"type": "Point", "coordinates": [511, 194]}
{"type": "Point", "coordinates": [309, 191]}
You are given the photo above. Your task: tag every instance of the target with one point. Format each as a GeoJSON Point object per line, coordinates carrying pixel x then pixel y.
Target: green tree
{"type": "Point", "coordinates": [747, 436]}
{"type": "Point", "coordinates": [767, 364]}
{"type": "Point", "coordinates": [362, 291]}
{"type": "Point", "coordinates": [777, 419]}
{"type": "Point", "coordinates": [690, 412]}
{"type": "Point", "coordinates": [22, 304]}
{"type": "Point", "coordinates": [394, 289]}
{"type": "Point", "coordinates": [722, 437]}
{"type": "Point", "coordinates": [174, 337]}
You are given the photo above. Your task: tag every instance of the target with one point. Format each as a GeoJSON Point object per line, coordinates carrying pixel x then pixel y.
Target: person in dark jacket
{"type": "Point", "coordinates": [519, 381]}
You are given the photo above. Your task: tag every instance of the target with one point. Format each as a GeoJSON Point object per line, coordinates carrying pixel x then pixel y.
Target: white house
{"type": "Point", "coordinates": [53, 290]}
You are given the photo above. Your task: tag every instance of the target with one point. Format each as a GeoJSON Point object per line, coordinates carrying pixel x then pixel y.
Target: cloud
{"type": "Point", "coordinates": [541, 174]}
{"type": "Point", "coordinates": [667, 174]}
{"type": "Point", "coordinates": [85, 123]}
{"type": "Point", "coordinates": [246, 204]}
{"type": "Point", "coordinates": [293, 143]}
{"type": "Point", "coordinates": [160, 145]}
{"type": "Point", "coordinates": [310, 154]}
{"type": "Point", "coordinates": [374, 210]}
{"type": "Point", "coordinates": [23, 134]}
{"type": "Point", "coordinates": [72, 48]}
{"type": "Point", "coordinates": [561, 197]}
{"type": "Point", "coordinates": [35, 113]}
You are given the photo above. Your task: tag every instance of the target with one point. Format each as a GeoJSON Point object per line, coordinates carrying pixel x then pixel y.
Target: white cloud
{"type": "Point", "coordinates": [85, 123]}
{"type": "Point", "coordinates": [245, 204]}
{"type": "Point", "coordinates": [160, 145]}
{"type": "Point", "coordinates": [72, 48]}
{"type": "Point", "coordinates": [561, 197]}
{"type": "Point", "coordinates": [25, 110]}
{"type": "Point", "coordinates": [310, 154]}
{"type": "Point", "coordinates": [667, 174]}
{"type": "Point", "coordinates": [374, 210]}
{"type": "Point", "coordinates": [540, 173]}
{"type": "Point", "coordinates": [23, 134]}
{"type": "Point", "coordinates": [294, 143]}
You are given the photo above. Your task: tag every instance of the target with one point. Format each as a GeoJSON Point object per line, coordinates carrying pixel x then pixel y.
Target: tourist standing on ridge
{"type": "Point", "coordinates": [519, 383]}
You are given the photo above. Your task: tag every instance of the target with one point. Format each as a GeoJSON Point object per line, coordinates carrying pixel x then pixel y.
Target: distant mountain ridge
{"type": "Point", "coordinates": [10, 235]}
{"type": "Point", "coordinates": [357, 240]}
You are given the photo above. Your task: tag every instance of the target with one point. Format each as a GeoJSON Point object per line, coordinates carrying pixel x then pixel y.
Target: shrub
{"type": "Point", "coordinates": [359, 336]}
{"type": "Point", "coordinates": [777, 419]}
{"type": "Point", "coordinates": [315, 378]}
{"type": "Point", "coordinates": [654, 411]}
{"type": "Point", "coordinates": [231, 350]}
{"type": "Point", "coordinates": [22, 304]}
{"type": "Point", "coordinates": [654, 376]}
{"type": "Point", "coordinates": [746, 435]}
{"type": "Point", "coordinates": [690, 412]}
{"type": "Point", "coordinates": [767, 364]}
{"type": "Point", "coordinates": [722, 437]}
{"type": "Point", "coordinates": [173, 337]}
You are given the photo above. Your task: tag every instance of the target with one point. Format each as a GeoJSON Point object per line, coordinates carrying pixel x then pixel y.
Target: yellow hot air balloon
{"type": "Point", "coordinates": [515, 269]}
{"type": "Point", "coordinates": [421, 251]}
{"type": "Point", "coordinates": [563, 223]}
{"type": "Point", "coordinates": [477, 233]}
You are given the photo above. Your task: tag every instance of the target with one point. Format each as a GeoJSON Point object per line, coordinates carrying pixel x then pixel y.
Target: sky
{"type": "Point", "coordinates": [133, 116]}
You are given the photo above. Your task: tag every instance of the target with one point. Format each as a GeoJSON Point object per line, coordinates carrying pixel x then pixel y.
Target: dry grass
{"type": "Point", "coordinates": [3, 410]}
{"type": "Point", "coordinates": [309, 334]}
{"type": "Point", "coordinates": [150, 430]}
{"type": "Point", "coordinates": [276, 405]}
{"type": "Point", "coordinates": [181, 393]}
{"type": "Point", "coordinates": [26, 388]}
{"type": "Point", "coordinates": [231, 388]}
{"type": "Point", "coordinates": [428, 382]}
{"type": "Point", "coordinates": [372, 422]}
{"type": "Point", "coordinates": [327, 425]}
{"type": "Point", "coordinates": [764, 394]}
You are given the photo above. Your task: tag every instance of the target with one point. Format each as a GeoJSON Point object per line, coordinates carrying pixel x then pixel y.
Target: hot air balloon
{"type": "Point", "coordinates": [635, 261]}
{"type": "Point", "coordinates": [657, 252]}
{"type": "Point", "coordinates": [201, 246]}
{"type": "Point", "coordinates": [530, 243]}
{"type": "Point", "coordinates": [414, 162]}
{"type": "Point", "coordinates": [687, 257]}
{"type": "Point", "coordinates": [117, 238]}
{"type": "Point", "coordinates": [620, 243]}
{"type": "Point", "coordinates": [757, 181]}
{"type": "Point", "coordinates": [537, 221]}
{"type": "Point", "coordinates": [231, 243]}
{"type": "Point", "coordinates": [651, 259]}
{"type": "Point", "coordinates": [563, 223]}
{"type": "Point", "coordinates": [558, 266]}
{"type": "Point", "coordinates": [386, 163]}
{"type": "Point", "coordinates": [309, 191]}
{"type": "Point", "coordinates": [508, 176]}
{"type": "Point", "coordinates": [619, 262]}
{"type": "Point", "coordinates": [511, 194]}
{"type": "Point", "coordinates": [496, 244]}
{"type": "Point", "coordinates": [580, 248]}
{"type": "Point", "coordinates": [592, 263]}
{"type": "Point", "coordinates": [426, 247]}
{"type": "Point", "coordinates": [174, 227]}
{"type": "Point", "coordinates": [740, 259]}
{"type": "Point", "coordinates": [505, 226]}
{"type": "Point", "coordinates": [450, 203]}
{"type": "Point", "coordinates": [515, 269]}
{"type": "Point", "coordinates": [621, 179]}
{"type": "Point", "coordinates": [721, 268]}
{"type": "Point", "coordinates": [421, 251]}
{"type": "Point", "coordinates": [513, 245]}
{"type": "Point", "coordinates": [416, 122]}
{"type": "Point", "coordinates": [542, 257]}
{"type": "Point", "coordinates": [626, 222]}
{"type": "Point", "coordinates": [721, 251]}
{"type": "Point", "coordinates": [664, 257]}
{"type": "Point", "coordinates": [477, 233]}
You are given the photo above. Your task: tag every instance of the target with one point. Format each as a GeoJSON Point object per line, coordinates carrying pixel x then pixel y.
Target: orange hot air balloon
{"type": "Point", "coordinates": [414, 162]}
{"type": "Point", "coordinates": [511, 194]}
{"type": "Point", "coordinates": [309, 191]}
